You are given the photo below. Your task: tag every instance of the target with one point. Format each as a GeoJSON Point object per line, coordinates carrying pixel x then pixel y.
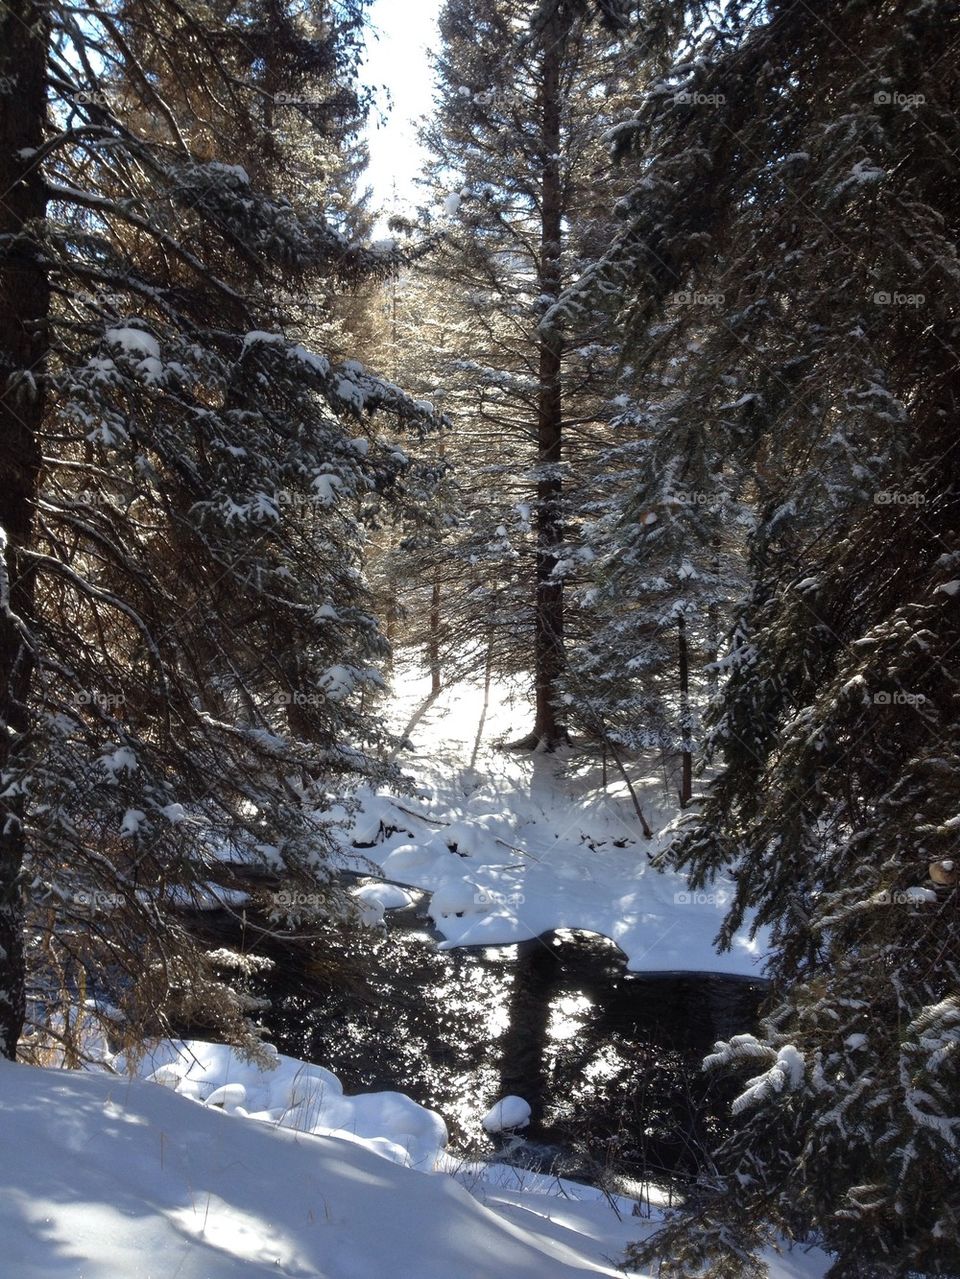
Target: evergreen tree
{"type": "Point", "coordinates": [524, 93]}
{"type": "Point", "coordinates": [798, 164]}
{"type": "Point", "coordinates": [184, 634]}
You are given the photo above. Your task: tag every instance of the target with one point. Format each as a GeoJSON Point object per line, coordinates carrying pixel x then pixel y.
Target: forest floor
{"type": "Point", "coordinates": [514, 845]}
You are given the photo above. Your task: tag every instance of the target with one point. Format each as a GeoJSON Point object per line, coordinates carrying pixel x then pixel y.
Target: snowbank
{"type": "Point", "coordinates": [293, 1094]}
{"type": "Point", "coordinates": [108, 1176]}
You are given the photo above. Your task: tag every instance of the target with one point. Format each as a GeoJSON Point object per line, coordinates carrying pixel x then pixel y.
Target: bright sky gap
{"type": "Point", "coordinates": [397, 65]}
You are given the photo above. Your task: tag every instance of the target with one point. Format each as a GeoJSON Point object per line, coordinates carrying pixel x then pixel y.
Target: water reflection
{"type": "Point", "coordinates": [608, 1061]}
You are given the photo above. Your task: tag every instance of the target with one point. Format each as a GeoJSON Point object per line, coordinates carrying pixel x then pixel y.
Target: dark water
{"type": "Point", "coordinates": [609, 1061]}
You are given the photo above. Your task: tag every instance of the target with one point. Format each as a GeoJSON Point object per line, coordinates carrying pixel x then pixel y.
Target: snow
{"type": "Point", "coordinates": [337, 682]}
{"type": "Point", "coordinates": [259, 337]}
{"type": "Point", "coordinates": [786, 1074]}
{"type": "Point", "coordinates": [140, 346]}
{"type": "Point", "coordinates": [510, 1112]}
{"type": "Point", "coordinates": [207, 896]}
{"type": "Point", "coordinates": [347, 389]}
{"type": "Point", "coordinates": [916, 894]}
{"type": "Point", "coordinates": [376, 898]}
{"type": "Point", "coordinates": [325, 488]}
{"type": "Point", "coordinates": [293, 1094]}
{"type": "Point", "coordinates": [121, 1177]}
{"type": "Point", "coordinates": [134, 342]}
{"type": "Point", "coordinates": [451, 205]}
{"type": "Point", "coordinates": [122, 760]}
{"type": "Point", "coordinates": [230, 170]}
{"type": "Point", "coordinates": [132, 821]}
{"type": "Point", "coordinates": [318, 364]}
{"type": "Point", "coordinates": [513, 846]}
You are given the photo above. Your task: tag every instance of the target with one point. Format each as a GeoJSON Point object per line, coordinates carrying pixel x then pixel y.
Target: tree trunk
{"type": "Point", "coordinates": [433, 640]}
{"type": "Point", "coordinates": [548, 730]}
{"type": "Point", "coordinates": [686, 726]}
{"type": "Point", "coordinates": [24, 301]}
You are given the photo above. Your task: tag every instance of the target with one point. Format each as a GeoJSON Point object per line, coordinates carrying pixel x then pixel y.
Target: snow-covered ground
{"type": "Point", "coordinates": [512, 846]}
{"type": "Point", "coordinates": [108, 1177]}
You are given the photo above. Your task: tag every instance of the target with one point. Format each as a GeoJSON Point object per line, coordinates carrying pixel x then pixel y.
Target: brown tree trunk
{"type": "Point", "coordinates": [24, 301]}
{"type": "Point", "coordinates": [433, 640]}
{"type": "Point", "coordinates": [686, 726]}
{"type": "Point", "coordinates": [548, 730]}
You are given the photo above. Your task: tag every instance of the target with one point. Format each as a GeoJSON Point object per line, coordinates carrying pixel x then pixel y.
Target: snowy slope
{"type": "Point", "coordinates": [107, 1178]}
{"type": "Point", "coordinates": [110, 1178]}
{"type": "Point", "coordinates": [512, 846]}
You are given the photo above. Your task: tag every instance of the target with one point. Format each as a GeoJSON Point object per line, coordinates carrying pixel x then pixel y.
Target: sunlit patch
{"type": "Point", "coordinates": [567, 1016]}
{"type": "Point", "coordinates": [608, 1063]}
{"type": "Point", "coordinates": [242, 1235]}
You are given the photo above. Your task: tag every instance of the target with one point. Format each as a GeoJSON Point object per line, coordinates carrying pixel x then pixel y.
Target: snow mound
{"type": "Point", "coordinates": [293, 1094]}
{"type": "Point", "coordinates": [508, 1113]}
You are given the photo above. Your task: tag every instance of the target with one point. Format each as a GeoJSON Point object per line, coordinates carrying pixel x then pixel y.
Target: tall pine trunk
{"type": "Point", "coordinates": [433, 641]}
{"type": "Point", "coordinates": [548, 730]}
{"type": "Point", "coordinates": [24, 301]}
{"type": "Point", "coordinates": [686, 718]}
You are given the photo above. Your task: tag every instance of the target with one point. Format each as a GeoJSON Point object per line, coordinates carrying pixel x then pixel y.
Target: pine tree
{"type": "Point", "coordinates": [524, 92]}
{"type": "Point", "coordinates": [797, 167]}
{"type": "Point", "coordinates": [665, 562]}
{"type": "Point", "coordinates": [185, 635]}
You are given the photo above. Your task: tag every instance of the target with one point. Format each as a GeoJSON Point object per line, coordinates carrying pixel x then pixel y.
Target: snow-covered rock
{"type": "Point", "coordinates": [507, 1114]}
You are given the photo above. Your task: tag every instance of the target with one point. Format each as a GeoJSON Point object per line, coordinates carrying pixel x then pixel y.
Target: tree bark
{"type": "Point", "coordinates": [24, 303]}
{"type": "Point", "coordinates": [548, 730]}
{"type": "Point", "coordinates": [686, 725]}
{"type": "Point", "coordinates": [433, 639]}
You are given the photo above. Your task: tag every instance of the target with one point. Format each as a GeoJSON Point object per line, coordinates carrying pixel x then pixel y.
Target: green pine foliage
{"type": "Point", "coordinates": [790, 251]}
{"type": "Point", "coordinates": [205, 653]}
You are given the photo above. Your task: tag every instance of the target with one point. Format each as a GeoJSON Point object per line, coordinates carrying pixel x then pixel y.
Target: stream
{"type": "Point", "coordinates": [608, 1060]}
